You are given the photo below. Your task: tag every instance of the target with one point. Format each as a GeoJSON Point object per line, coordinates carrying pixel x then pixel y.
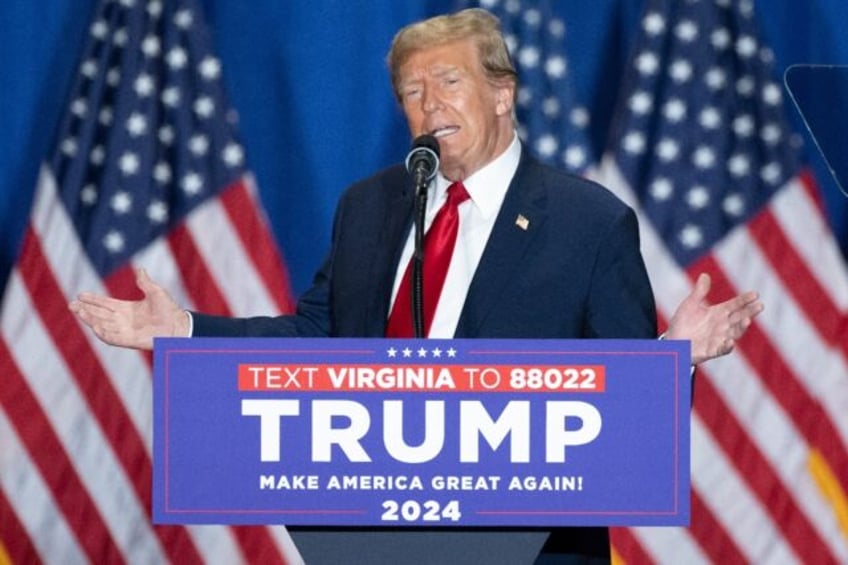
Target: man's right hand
{"type": "Point", "coordinates": [133, 323]}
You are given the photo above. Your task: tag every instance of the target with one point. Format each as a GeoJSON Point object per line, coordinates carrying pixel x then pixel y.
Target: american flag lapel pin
{"type": "Point", "coordinates": [522, 222]}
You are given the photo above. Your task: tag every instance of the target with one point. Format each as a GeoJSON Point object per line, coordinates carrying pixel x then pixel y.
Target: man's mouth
{"type": "Point", "coordinates": [444, 131]}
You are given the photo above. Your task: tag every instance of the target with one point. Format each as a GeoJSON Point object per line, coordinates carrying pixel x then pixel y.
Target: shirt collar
{"type": "Point", "coordinates": [487, 186]}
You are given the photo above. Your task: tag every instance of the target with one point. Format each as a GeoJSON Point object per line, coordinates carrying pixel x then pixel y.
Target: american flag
{"type": "Point", "coordinates": [701, 149]}
{"type": "Point", "coordinates": [147, 172]}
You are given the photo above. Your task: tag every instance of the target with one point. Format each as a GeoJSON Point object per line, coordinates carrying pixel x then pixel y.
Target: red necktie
{"type": "Point", "coordinates": [438, 249]}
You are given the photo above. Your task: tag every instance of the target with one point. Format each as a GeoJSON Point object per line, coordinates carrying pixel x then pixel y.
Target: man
{"type": "Point", "coordinates": [538, 253]}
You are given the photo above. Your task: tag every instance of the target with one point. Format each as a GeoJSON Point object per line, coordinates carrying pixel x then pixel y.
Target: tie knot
{"type": "Point", "coordinates": [457, 194]}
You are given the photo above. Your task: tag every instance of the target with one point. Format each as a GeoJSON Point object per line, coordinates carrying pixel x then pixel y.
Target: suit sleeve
{"type": "Point", "coordinates": [621, 302]}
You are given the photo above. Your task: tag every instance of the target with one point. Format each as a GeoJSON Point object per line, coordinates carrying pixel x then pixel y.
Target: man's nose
{"type": "Point", "coordinates": [430, 101]}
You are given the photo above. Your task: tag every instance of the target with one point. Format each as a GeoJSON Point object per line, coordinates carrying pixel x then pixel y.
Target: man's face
{"type": "Point", "coordinates": [445, 93]}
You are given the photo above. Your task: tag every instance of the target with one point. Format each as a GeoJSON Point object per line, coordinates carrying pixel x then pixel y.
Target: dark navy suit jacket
{"type": "Point", "coordinates": [574, 272]}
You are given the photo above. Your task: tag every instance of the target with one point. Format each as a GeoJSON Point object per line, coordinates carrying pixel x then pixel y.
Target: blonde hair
{"type": "Point", "coordinates": [474, 23]}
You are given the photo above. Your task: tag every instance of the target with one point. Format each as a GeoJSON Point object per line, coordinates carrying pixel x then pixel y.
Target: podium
{"type": "Point", "coordinates": [421, 451]}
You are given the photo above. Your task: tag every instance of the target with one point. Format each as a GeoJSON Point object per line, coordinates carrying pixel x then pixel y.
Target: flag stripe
{"type": "Point", "coordinates": [798, 357]}
{"type": "Point", "coordinates": [53, 463]}
{"type": "Point", "coordinates": [203, 288]}
{"type": "Point", "coordinates": [801, 284]}
{"type": "Point", "coordinates": [94, 384]}
{"type": "Point", "coordinates": [625, 543]}
{"type": "Point", "coordinates": [257, 241]}
{"type": "Point", "coordinates": [22, 489]}
{"type": "Point", "coordinates": [711, 536]}
{"type": "Point", "coordinates": [760, 477]}
{"type": "Point", "coordinates": [721, 484]}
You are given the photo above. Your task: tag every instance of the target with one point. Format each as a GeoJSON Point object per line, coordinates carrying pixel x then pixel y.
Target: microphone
{"type": "Point", "coordinates": [423, 160]}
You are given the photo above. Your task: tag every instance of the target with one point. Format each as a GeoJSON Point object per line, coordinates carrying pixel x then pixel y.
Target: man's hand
{"type": "Point", "coordinates": [712, 329]}
{"type": "Point", "coordinates": [129, 323]}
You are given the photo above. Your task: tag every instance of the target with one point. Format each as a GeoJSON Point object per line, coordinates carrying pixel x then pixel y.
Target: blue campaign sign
{"type": "Point", "coordinates": [374, 432]}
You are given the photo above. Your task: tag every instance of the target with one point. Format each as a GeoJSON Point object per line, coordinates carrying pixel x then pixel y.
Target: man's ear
{"type": "Point", "coordinates": [505, 97]}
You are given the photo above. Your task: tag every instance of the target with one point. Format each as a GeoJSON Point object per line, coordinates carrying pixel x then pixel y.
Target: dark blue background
{"type": "Point", "coordinates": [309, 82]}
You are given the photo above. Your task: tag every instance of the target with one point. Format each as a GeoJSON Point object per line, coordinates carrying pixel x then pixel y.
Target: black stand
{"type": "Point", "coordinates": [417, 287]}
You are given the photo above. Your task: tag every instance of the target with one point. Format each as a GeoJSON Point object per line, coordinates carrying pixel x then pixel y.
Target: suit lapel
{"type": "Point", "coordinates": [397, 218]}
{"type": "Point", "coordinates": [521, 216]}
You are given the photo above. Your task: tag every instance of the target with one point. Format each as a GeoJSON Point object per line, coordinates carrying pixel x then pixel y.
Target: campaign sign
{"type": "Point", "coordinates": [374, 432]}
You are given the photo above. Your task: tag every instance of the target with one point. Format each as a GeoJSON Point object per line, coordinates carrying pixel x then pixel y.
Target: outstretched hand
{"type": "Point", "coordinates": [133, 323]}
{"type": "Point", "coordinates": [713, 329]}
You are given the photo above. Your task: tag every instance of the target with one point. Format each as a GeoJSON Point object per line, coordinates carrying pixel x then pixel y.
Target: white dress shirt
{"type": "Point", "coordinates": [487, 188]}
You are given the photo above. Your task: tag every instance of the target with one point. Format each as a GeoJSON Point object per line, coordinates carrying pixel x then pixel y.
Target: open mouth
{"type": "Point", "coordinates": [444, 131]}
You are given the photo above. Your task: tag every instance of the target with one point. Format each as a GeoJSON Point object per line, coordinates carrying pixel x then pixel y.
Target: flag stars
{"type": "Point", "coordinates": [114, 241]}
{"type": "Point", "coordinates": [89, 68]}
{"type": "Point", "coordinates": [733, 205]}
{"type": "Point", "coordinates": [120, 37]}
{"type": "Point", "coordinates": [575, 157]}
{"type": "Point", "coordinates": [653, 24]}
{"type": "Point", "coordinates": [698, 197]}
{"type": "Point", "coordinates": [451, 352]}
{"type": "Point", "coordinates": [716, 78]}
{"type": "Point", "coordinates": [720, 39]}
{"type": "Point", "coordinates": [121, 202]}
{"type": "Point", "coordinates": [528, 57]}
{"type": "Point", "coordinates": [176, 58]}
{"type": "Point", "coordinates": [422, 353]}
{"type": "Point", "coordinates": [704, 157]}
{"type": "Point", "coordinates": [691, 236]}
{"type": "Point", "coordinates": [550, 107]}
{"type": "Point", "coordinates": [680, 71]}
{"type": "Point", "coordinates": [166, 135]}
{"type": "Point", "coordinates": [204, 107]}
{"type": "Point", "coordinates": [198, 145]}
{"type": "Point", "coordinates": [674, 110]}
{"type": "Point", "coordinates": [99, 29]}
{"type": "Point", "coordinates": [192, 183]}
{"type": "Point", "coordinates": [69, 147]}
{"type": "Point", "coordinates": [641, 103]}
{"type": "Point", "coordinates": [144, 85]}
{"type": "Point", "coordinates": [579, 117]}
{"type": "Point", "coordinates": [171, 97]}
{"type": "Point", "coordinates": [150, 46]}
{"type": "Point", "coordinates": [113, 77]}
{"type": "Point", "coordinates": [184, 19]}
{"type": "Point", "coordinates": [532, 17]}
{"type": "Point", "coordinates": [546, 145]}
{"type": "Point", "coordinates": [771, 134]}
{"type": "Point", "coordinates": [162, 172]}
{"type": "Point", "coordinates": [391, 352]}
{"type": "Point", "coordinates": [556, 67]}
{"type": "Point", "coordinates": [686, 31]}
{"type": "Point", "coordinates": [97, 155]}
{"type": "Point", "coordinates": [154, 8]}
{"type": "Point", "coordinates": [233, 155]}
{"type": "Point", "coordinates": [647, 63]}
{"type": "Point", "coordinates": [746, 47]}
{"type": "Point", "coordinates": [667, 149]}
{"type": "Point", "coordinates": [710, 118]}
{"type": "Point", "coordinates": [634, 143]}
{"type": "Point", "coordinates": [88, 195]}
{"type": "Point", "coordinates": [557, 28]}
{"type": "Point", "coordinates": [105, 116]}
{"type": "Point", "coordinates": [743, 125]}
{"type": "Point", "coordinates": [406, 352]}
{"type": "Point", "coordinates": [136, 124]}
{"type": "Point", "coordinates": [661, 189]}
{"type": "Point", "coordinates": [157, 212]}
{"type": "Point", "coordinates": [771, 173]}
{"type": "Point", "coordinates": [79, 108]}
{"type": "Point", "coordinates": [209, 68]}
{"type": "Point", "coordinates": [525, 96]}
{"type": "Point", "coordinates": [437, 353]}
{"type": "Point", "coordinates": [772, 95]}
{"type": "Point", "coordinates": [745, 85]}
{"type": "Point", "coordinates": [739, 165]}
{"type": "Point", "coordinates": [128, 163]}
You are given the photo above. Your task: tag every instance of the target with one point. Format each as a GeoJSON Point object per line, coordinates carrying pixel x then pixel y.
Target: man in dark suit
{"type": "Point", "coordinates": [538, 254]}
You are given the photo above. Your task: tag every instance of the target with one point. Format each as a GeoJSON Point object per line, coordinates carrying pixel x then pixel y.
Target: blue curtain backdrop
{"type": "Point", "coordinates": [308, 79]}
